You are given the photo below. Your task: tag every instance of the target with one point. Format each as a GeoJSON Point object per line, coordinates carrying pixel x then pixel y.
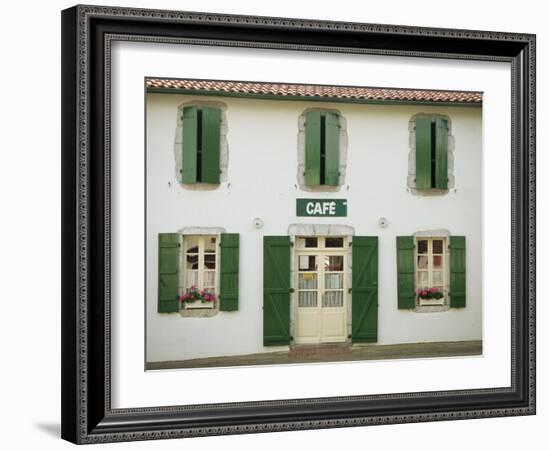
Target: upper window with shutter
{"type": "Point", "coordinates": [322, 156]}
{"type": "Point", "coordinates": [432, 163]}
{"type": "Point", "coordinates": [201, 144]}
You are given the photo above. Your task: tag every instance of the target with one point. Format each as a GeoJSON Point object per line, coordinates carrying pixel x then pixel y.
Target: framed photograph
{"type": "Point", "coordinates": [280, 224]}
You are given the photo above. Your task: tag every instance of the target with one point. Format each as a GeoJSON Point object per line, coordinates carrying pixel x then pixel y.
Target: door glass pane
{"type": "Point", "coordinates": [333, 299]}
{"type": "Point", "coordinates": [307, 281]}
{"type": "Point", "coordinates": [334, 263]}
{"type": "Point", "coordinates": [334, 242]}
{"type": "Point", "coordinates": [437, 276]}
{"type": "Point", "coordinates": [307, 242]}
{"type": "Point", "coordinates": [209, 278]}
{"type": "Point", "coordinates": [437, 261]}
{"type": "Point", "coordinates": [422, 246]}
{"type": "Point", "coordinates": [307, 299]}
{"type": "Point", "coordinates": [210, 244]}
{"type": "Point", "coordinates": [334, 281]}
{"type": "Point", "coordinates": [422, 262]}
{"type": "Point", "coordinates": [307, 263]}
{"type": "Point", "coordinates": [438, 246]}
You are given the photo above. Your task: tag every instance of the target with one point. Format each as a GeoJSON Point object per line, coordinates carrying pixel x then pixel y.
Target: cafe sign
{"type": "Point", "coordinates": [312, 207]}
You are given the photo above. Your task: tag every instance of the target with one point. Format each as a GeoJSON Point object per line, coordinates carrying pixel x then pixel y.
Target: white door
{"type": "Point", "coordinates": [320, 294]}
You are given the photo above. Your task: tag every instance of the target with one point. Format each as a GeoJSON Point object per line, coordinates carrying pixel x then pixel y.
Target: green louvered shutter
{"type": "Point", "coordinates": [168, 272]}
{"type": "Point", "coordinates": [406, 294]}
{"type": "Point", "coordinates": [189, 145]}
{"type": "Point", "coordinates": [332, 149]}
{"type": "Point", "coordinates": [313, 148]}
{"type": "Point", "coordinates": [276, 313]}
{"type": "Point", "coordinates": [210, 151]}
{"type": "Point", "coordinates": [441, 153]}
{"type": "Point", "coordinates": [229, 272]}
{"type": "Point", "coordinates": [423, 153]}
{"type": "Point", "coordinates": [457, 250]}
{"type": "Point", "coordinates": [364, 289]}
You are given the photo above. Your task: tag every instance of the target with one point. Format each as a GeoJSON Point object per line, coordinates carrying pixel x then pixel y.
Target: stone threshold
{"type": "Point", "coordinates": [336, 353]}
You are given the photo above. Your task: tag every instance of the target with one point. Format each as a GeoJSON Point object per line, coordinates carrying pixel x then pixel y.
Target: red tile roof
{"type": "Point", "coordinates": [351, 93]}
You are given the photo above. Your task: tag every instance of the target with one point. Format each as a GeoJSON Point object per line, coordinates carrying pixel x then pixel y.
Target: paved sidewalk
{"type": "Point", "coordinates": [355, 353]}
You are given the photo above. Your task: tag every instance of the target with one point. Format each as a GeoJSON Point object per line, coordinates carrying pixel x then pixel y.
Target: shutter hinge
{"type": "Point", "coordinates": [292, 244]}
{"type": "Point", "coordinates": [350, 290]}
{"type": "Point", "coordinates": [291, 290]}
{"type": "Point", "coordinates": [350, 244]}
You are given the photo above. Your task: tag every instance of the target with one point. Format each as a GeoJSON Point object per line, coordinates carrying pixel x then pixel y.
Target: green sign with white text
{"type": "Point", "coordinates": [314, 207]}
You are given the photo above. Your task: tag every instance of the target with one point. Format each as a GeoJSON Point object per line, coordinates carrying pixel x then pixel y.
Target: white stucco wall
{"type": "Point", "coordinates": [262, 139]}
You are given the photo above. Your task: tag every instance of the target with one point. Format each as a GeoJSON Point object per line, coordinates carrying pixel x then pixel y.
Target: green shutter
{"type": "Point", "coordinates": [211, 118]}
{"type": "Point", "coordinates": [441, 153]}
{"type": "Point", "coordinates": [313, 148]}
{"type": "Point", "coordinates": [457, 250]}
{"type": "Point", "coordinates": [364, 289]}
{"type": "Point", "coordinates": [168, 272]}
{"type": "Point", "coordinates": [406, 294]}
{"type": "Point", "coordinates": [189, 145]}
{"type": "Point", "coordinates": [423, 153]}
{"type": "Point", "coordinates": [332, 147]}
{"type": "Point", "coordinates": [276, 313]}
{"type": "Point", "coordinates": [229, 272]}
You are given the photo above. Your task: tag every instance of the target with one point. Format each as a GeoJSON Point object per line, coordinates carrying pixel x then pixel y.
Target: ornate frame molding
{"type": "Point", "coordinates": [87, 35]}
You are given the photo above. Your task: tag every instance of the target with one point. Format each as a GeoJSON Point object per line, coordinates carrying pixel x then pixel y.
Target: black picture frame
{"type": "Point", "coordinates": [87, 33]}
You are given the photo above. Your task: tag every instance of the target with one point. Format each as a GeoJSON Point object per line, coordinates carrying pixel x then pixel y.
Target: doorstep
{"type": "Point", "coordinates": [318, 350]}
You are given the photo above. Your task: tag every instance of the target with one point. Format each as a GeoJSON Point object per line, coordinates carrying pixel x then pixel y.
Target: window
{"type": "Point", "coordinates": [322, 148]}
{"type": "Point", "coordinates": [431, 156]}
{"type": "Point", "coordinates": [200, 145]}
{"type": "Point", "coordinates": [200, 274]}
{"type": "Point", "coordinates": [431, 271]}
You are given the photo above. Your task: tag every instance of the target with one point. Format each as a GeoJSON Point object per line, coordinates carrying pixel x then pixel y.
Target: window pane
{"type": "Point", "coordinates": [422, 246]}
{"type": "Point", "coordinates": [422, 262]}
{"type": "Point", "coordinates": [307, 281]}
{"type": "Point", "coordinates": [438, 246]}
{"type": "Point", "coordinates": [192, 261]}
{"type": "Point", "coordinates": [437, 276]}
{"type": "Point", "coordinates": [307, 299]}
{"type": "Point", "coordinates": [192, 244]}
{"type": "Point", "coordinates": [209, 278]}
{"type": "Point", "coordinates": [210, 244]}
{"type": "Point", "coordinates": [437, 262]}
{"type": "Point", "coordinates": [192, 278]}
{"type": "Point", "coordinates": [334, 281]}
{"type": "Point", "coordinates": [308, 242]}
{"type": "Point", "coordinates": [334, 242]}
{"type": "Point", "coordinates": [333, 299]}
{"type": "Point", "coordinates": [307, 263]}
{"type": "Point", "coordinates": [210, 261]}
{"type": "Point", "coordinates": [422, 279]}
{"type": "Point", "coordinates": [334, 263]}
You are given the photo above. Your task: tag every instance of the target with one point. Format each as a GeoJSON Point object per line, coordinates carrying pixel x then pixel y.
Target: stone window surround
{"type": "Point", "coordinates": [411, 177]}
{"type": "Point", "coordinates": [224, 146]}
{"type": "Point", "coordinates": [434, 234]}
{"type": "Point", "coordinates": [342, 152]}
{"type": "Point", "coordinates": [200, 231]}
{"type": "Point", "coordinates": [306, 230]}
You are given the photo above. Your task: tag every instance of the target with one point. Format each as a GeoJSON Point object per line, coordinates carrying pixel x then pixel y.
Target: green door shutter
{"type": "Point", "coordinates": [457, 249]}
{"type": "Point", "coordinates": [441, 153]}
{"type": "Point", "coordinates": [313, 148]}
{"type": "Point", "coordinates": [211, 118]}
{"type": "Point", "coordinates": [229, 272]}
{"type": "Point", "coordinates": [406, 294]}
{"type": "Point", "coordinates": [168, 272]}
{"type": "Point", "coordinates": [276, 290]}
{"type": "Point", "coordinates": [364, 289]}
{"type": "Point", "coordinates": [332, 145]}
{"type": "Point", "coordinates": [189, 145]}
{"type": "Point", "coordinates": [423, 153]}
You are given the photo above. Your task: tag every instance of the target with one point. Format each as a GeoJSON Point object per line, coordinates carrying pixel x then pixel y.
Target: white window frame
{"type": "Point", "coordinates": [200, 271]}
{"type": "Point", "coordinates": [444, 269]}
